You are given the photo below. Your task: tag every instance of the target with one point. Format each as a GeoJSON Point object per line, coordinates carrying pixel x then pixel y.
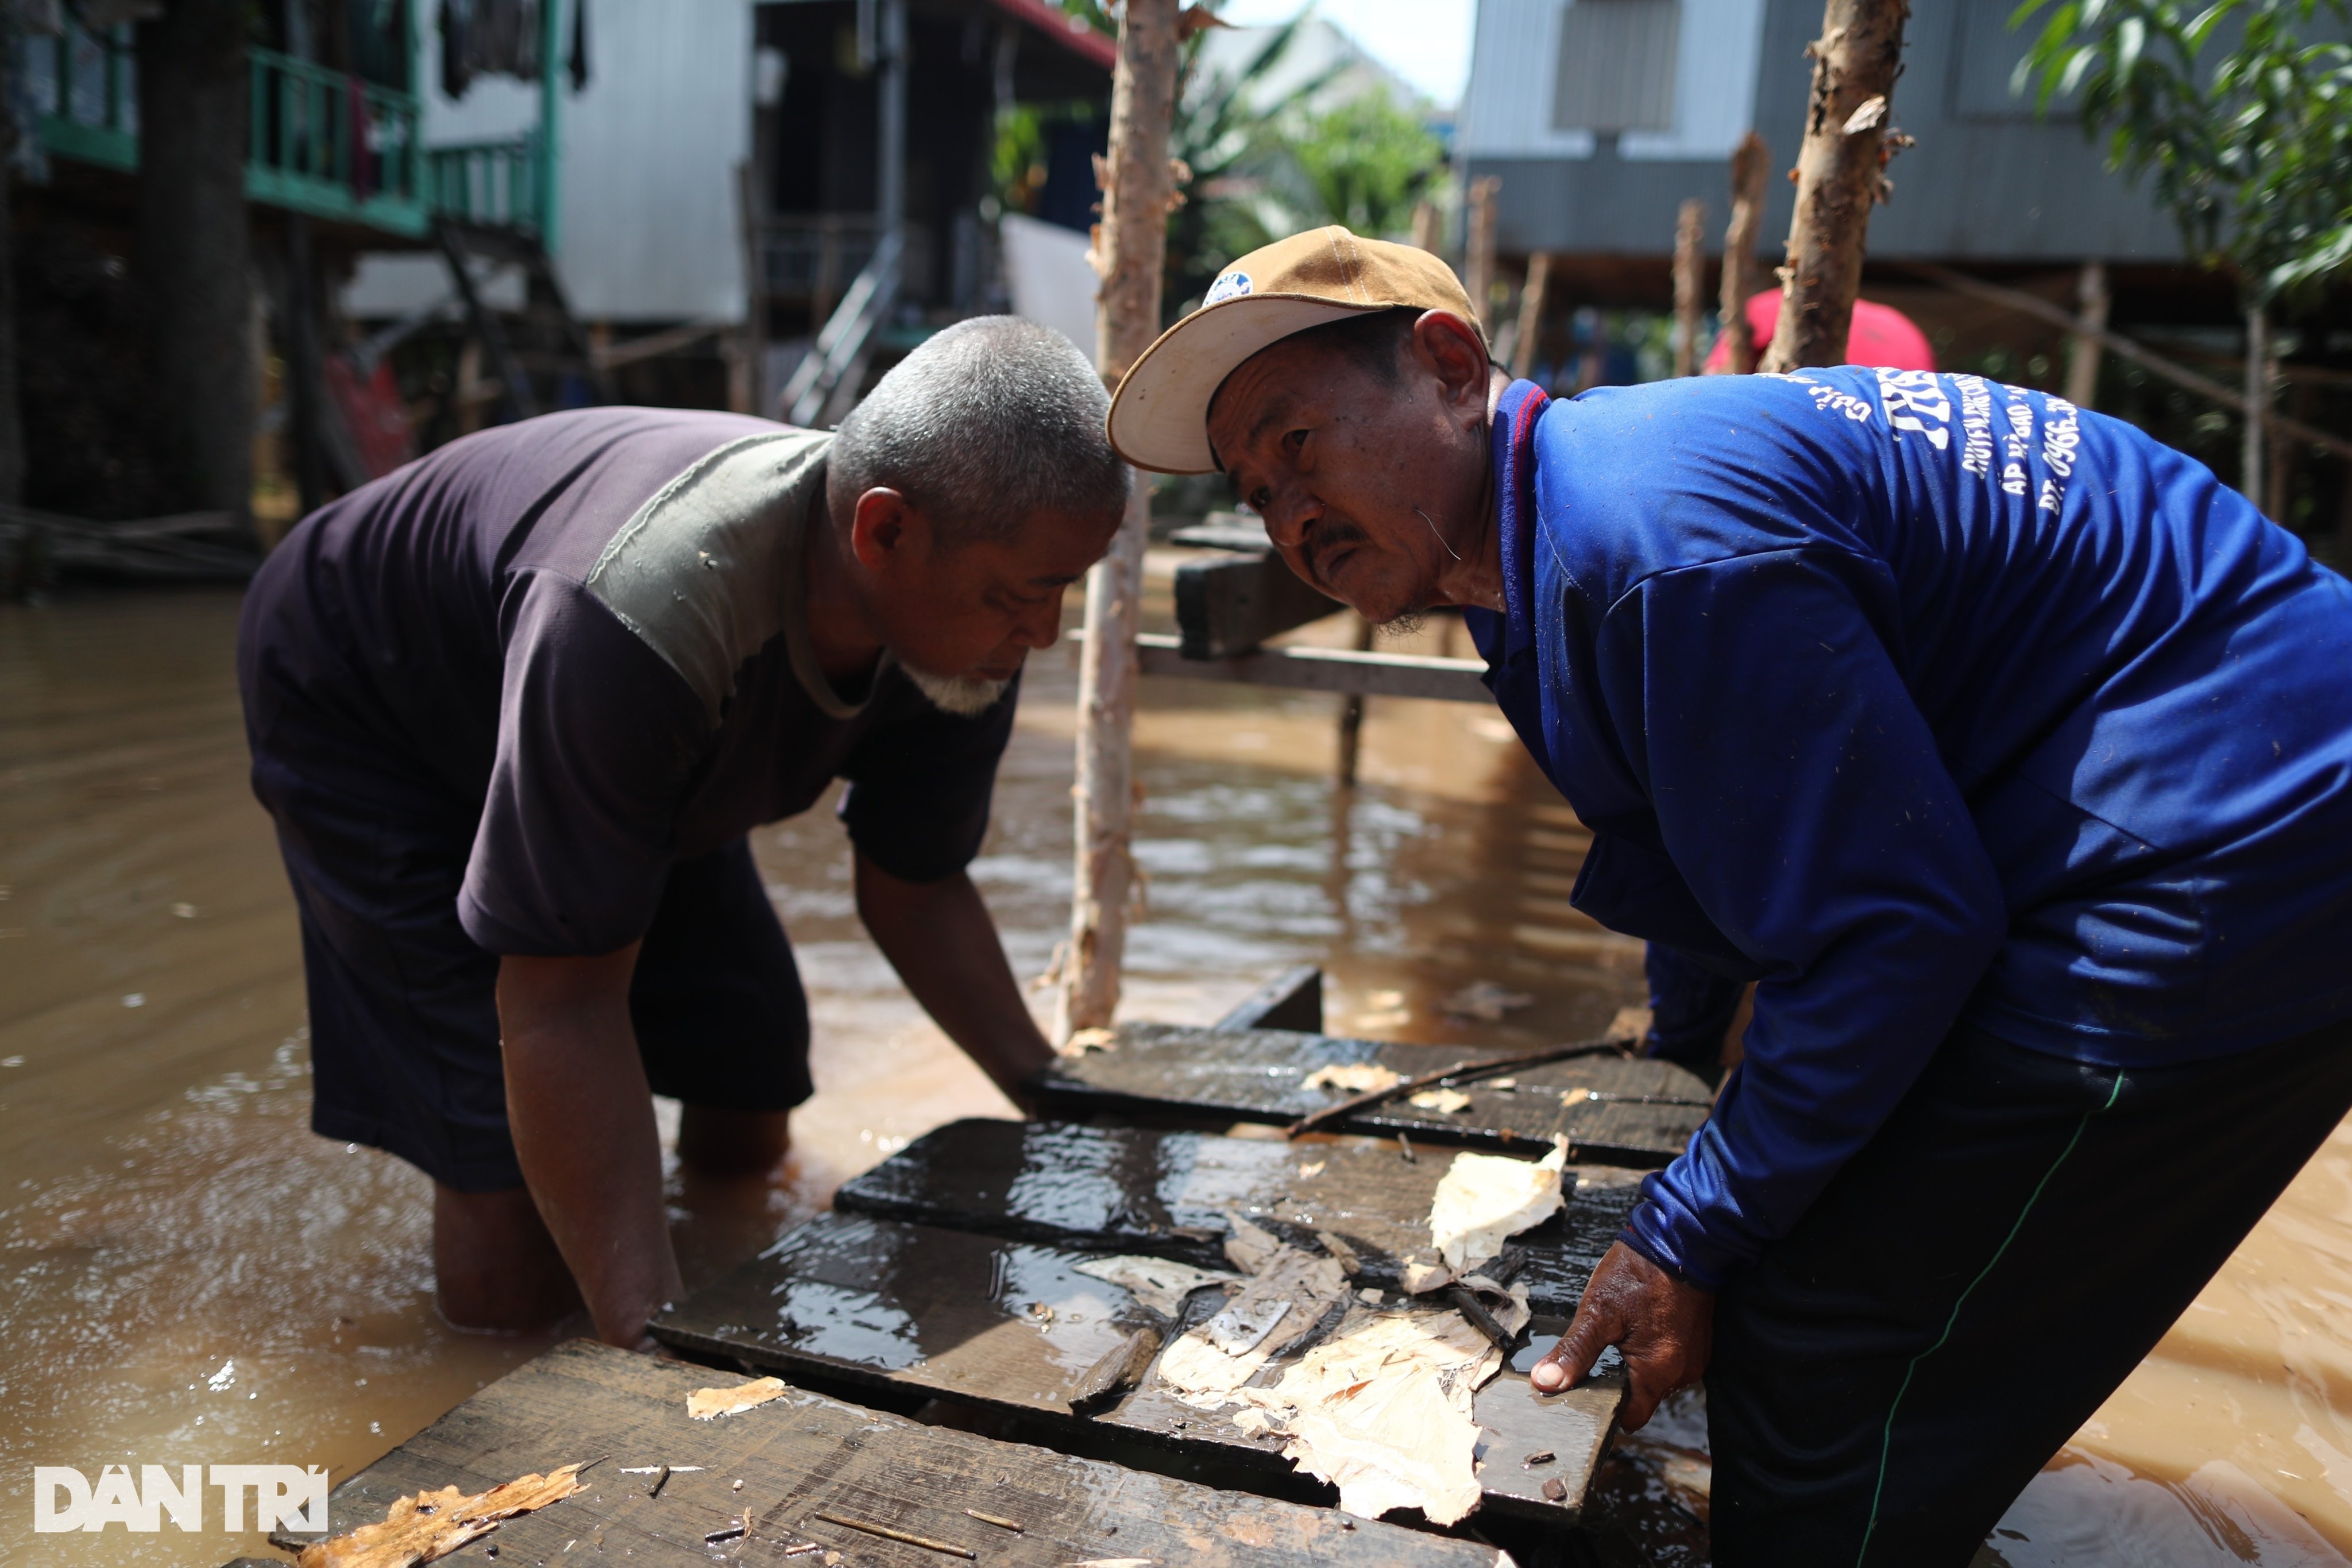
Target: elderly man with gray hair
{"type": "Point", "coordinates": [515, 708]}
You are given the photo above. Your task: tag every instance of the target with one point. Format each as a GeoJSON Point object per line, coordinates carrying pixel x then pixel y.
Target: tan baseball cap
{"type": "Point", "coordinates": [1160, 417]}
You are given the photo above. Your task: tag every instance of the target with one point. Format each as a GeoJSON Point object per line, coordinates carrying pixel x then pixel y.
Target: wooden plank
{"type": "Point", "coordinates": [1214, 1077]}
{"type": "Point", "coordinates": [1227, 606]}
{"type": "Point", "coordinates": [805, 1453]}
{"type": "Point", "coordinates": [1014, 1326]}
{"type": "Point", "coordinates": [1291, 1000]}
{"type": "Point", "coordinates": [1342, 669]}
{"type": "Point", "coordinates": [1169, 1194]}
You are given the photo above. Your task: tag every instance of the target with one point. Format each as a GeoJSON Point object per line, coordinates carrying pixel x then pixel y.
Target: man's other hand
{"type": "Point", "coordinates": [1665, 1328]}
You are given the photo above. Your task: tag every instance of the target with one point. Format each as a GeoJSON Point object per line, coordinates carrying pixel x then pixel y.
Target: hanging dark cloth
{"type": "Point", "coordinates": [488, 37]}
{"type": "Point", "coordinates": [578, 64]}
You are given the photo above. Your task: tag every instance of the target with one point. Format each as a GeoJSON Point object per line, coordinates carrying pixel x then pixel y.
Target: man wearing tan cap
{"type": "Point", "coordinates": [2005, 749]}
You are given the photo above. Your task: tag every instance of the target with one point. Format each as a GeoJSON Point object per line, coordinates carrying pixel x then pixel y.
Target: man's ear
{"type": "Point", "coordinates": [1449, 348]}
{"type": "Point", "coordinates": [882, 525]}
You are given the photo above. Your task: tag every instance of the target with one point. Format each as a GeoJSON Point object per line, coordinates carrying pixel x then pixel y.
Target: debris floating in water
{"type": "Point", "coordinates": [706, 1404]}
{"type": "Point", "coordinates": [1485, 1001]}
{"type": "Point", "coordinates": [1353, 1078]}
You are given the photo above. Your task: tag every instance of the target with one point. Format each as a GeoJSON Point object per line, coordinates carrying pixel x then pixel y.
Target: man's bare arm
{"type": "Point", "coordinates": [941, 940]}
{"type": "Point", "coordinates": [583, 1129]}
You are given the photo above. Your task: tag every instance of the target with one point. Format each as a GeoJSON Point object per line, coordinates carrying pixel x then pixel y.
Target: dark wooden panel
{"type": "Point", "coordinates": [1228, 604]}
{"type": "Point", "coordinates": [805, 1453]}
{"type": "Point", "coordinates": [1259, 1075]}
{"type": "Point", "coordinates": [889, 1304]}
{"type": "Point", "coordinates": [1167, 1193]}
{"type": "Point", "coordinates": [1291, 1000]}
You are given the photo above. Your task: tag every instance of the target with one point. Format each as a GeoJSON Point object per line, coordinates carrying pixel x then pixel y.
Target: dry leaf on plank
{"type": "Point", "coordinates": [1353, 1078]}
{"type": "Point", "coordinates": [1483, 1199]}
{"type": "Point", "coordinates": [432, 1525]}
{"type": "Point", "coordinates": [705, 1403]}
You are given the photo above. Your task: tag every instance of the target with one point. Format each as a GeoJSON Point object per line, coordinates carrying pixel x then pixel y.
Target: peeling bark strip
{"type": "Point", "coordinates": [1742, 275]}
{"type": "Point", "coordinates": [1840, 175]}
{"type": "Point", "coordinates": [1131, 245]}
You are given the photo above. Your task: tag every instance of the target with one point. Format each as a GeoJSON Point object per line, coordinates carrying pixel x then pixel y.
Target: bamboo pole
{"type": "Point", "coordinates": [1131, 245]}
{"type": "Point", "coordinates": [1690, 278]}
{"type": "Point", "coordinates": [1533, 297]}
{"type": "Point", "coordinates": [1840, 175]}
{"type": "Point", "coordinates": [1428, 226]}
{"type": "Point", "coordinates": [1743, 276]}
{"type": "Point", "coordinates": [2082, 361]}
{"type": "Point", "coordinates": [1478, 245]}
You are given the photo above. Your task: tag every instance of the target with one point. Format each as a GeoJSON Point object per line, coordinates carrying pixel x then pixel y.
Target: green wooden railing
{"type": "Point", "coordinates": [321, 143]}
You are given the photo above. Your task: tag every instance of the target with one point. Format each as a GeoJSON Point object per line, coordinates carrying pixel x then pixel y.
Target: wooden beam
{"type": "Point", "coordinates": [1742, 273]}
{"type": "Point", "coordinates": [1533, 297]}
{"type": "Point", "coordinates": [1291, 1000]}
{"type": "Point", "coordinates": [1840, 177]}
{"type": "Point", "coordinates": [1337, 670]}
{"type": "Point", "coordinates": [781, 1468]}
{"type": "Point", "coordinates": [1229, 604]}
{"type": "Point", "coordinates": [2116, 343]}
{"type": "Point", "coordinates": [1635, 1111]}
{"type": "Point", "coordinates": [1131, 245]}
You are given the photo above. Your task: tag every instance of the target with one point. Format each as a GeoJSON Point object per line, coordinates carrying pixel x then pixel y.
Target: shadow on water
{"type": "Point", "coordinates": [187, 1274]}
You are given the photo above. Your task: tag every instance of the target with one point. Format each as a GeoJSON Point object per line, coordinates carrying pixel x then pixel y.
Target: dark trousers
{"type": "Point", "coordinates": [1974, 1283]}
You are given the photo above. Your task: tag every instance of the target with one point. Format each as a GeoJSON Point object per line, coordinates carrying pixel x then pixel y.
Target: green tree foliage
{"type": "Point", "coordinates": [2239, 118]}
{"type": "Point", "coordinates": [1367, 162]}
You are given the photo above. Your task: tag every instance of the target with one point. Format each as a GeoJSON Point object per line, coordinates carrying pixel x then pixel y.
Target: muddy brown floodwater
{"type": "Point", "coordinates": [188, 1276]}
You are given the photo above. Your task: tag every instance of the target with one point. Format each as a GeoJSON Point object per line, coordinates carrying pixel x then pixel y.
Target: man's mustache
{"type": "Point", "coordinates": [1326, 538]}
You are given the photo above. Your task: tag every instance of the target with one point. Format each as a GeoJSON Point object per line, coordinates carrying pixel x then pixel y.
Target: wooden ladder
{"type": "Point", "coordinates": [541, 354]}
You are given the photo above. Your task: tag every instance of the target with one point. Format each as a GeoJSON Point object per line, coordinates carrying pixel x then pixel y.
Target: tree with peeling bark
{"type": "Point", "coordinates": [194, 248]}
{"type": "Point", "coordinates": [1743, 275]}
{"type": "Point", "coordinates": [1130, 248]}
{"type": "Point", "coordinates": [1841, 175]}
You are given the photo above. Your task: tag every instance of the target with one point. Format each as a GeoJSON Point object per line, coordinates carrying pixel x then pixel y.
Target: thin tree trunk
{"type": "Point", "coordinates": [2258, 403]}
{"type": "Point", "coordinates": [1130, 246]}
{"type": "Point", "coordinates": [1690, 281]}
{"type": "Point", "coordinates": [194, 249]}
{"type": "Point", "coordinates": [1840, 175]}
{"type": "Point", "coordinates": [1533, 297]}
{"type": "Point", "coordinates": [1743, 276]}
{"type": "Point", "coordinates": [12, 423]}
{"type": "Point", "coordinates": [2083, 364]}
{"type": "Point", "coordinates": [1478, 245]}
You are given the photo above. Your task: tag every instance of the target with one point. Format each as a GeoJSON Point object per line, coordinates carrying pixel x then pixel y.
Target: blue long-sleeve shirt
{"type": "Point", "coordinates": [1919, 698]}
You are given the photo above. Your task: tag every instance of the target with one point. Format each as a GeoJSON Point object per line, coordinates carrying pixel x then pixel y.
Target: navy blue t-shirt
{"type": "Point", "coordinates": [581, 637]}
{"type": "Point", "coordinates": [1917, 699]}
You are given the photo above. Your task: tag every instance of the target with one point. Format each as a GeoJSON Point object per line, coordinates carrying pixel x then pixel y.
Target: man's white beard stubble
{"type": "Point", "coordinates": [965, 696]}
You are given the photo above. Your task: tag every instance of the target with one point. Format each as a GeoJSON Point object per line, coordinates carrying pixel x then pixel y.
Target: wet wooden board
{"type": "Point", "coordinates": [804, 1453]}
{"type": "Point", "coordinates": [1167, 1193]}
{"type": "Point", "coordinates": [1015, 1326]}
{"type": "Point", "coordinates": [1259, 1075]}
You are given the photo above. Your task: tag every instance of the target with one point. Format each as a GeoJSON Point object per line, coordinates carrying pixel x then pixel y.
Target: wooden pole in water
{"type": "Point", "coordinates": [1742, 274]}
{"type": "Point", "coordinates": [1840, 175]}
{"type": "Point", "coordinates": [1130, 244]}
{"type": "Point", "coordinates": [1690, 278]}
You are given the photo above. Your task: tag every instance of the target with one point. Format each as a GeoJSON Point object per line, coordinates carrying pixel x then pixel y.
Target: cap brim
{"type": "Point", "coordinates": [1160, 416]}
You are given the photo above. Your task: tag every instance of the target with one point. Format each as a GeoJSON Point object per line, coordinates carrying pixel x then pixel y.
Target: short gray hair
{"type": "Point", "coordinates": [985, 425]}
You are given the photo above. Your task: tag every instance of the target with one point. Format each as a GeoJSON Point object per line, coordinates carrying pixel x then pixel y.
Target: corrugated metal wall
{"type": "Point", "coordinates": [1986, 181]}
